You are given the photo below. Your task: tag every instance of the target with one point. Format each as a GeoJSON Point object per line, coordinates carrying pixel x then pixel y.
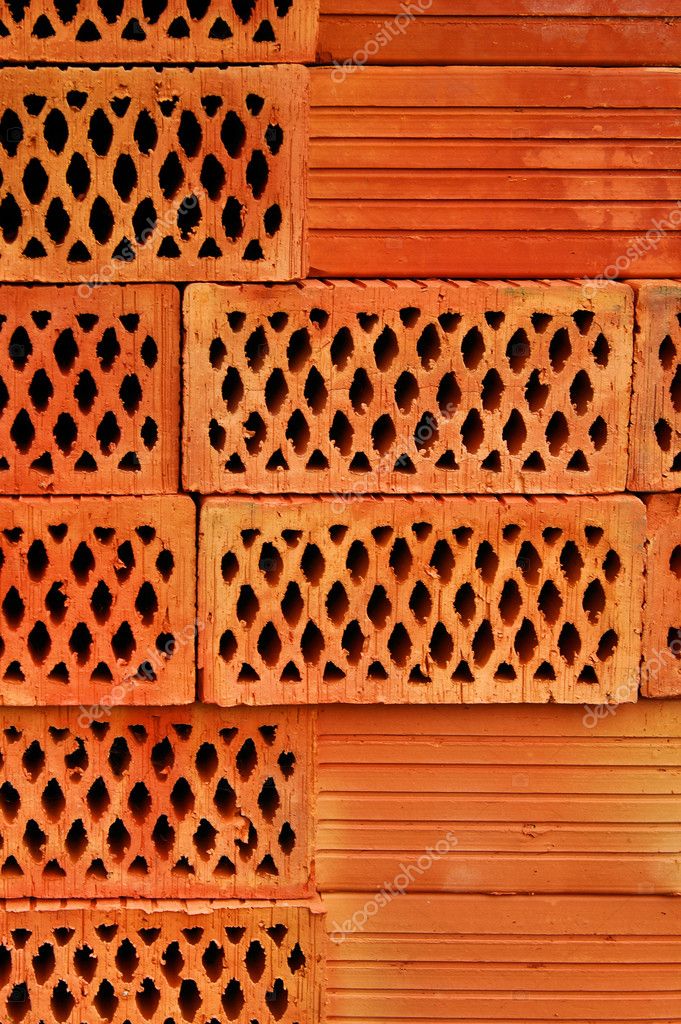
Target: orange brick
{"type": "Point", "coordinates": [141, 175]}
{"type": "Point", "coordinates": [130, 962]}
{"type": "Point", "coordinates": [173, 32]}
{"type": "Point", "coordinates": [164, 802]}
{"type": "Point", "coordinates": [97, 600]}
{"type": "Point", "coordinates": [661, 667]}
{"type": "Point", "coordinates": [90, 390]}
{"type": "Point", "coordinates": [655, 437]}
{"type": "Point", "coordinates": [404, 387]}
{"type": "Point", "coordinates": [426, 600]}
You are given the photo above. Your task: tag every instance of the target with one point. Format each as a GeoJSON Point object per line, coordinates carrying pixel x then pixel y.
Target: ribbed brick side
{"type": "Point", "coordinates": [158, 802]}
{"type": "Point", "coordinates": [97, 600]}
{"type": "Point", "coordinates": [661, 675]}
{"type": "Point", "coordinates": [655, 436]}
{"type": "Point", "coordinates": [138, 962]}
{"type": "Point", "coordinates": [89, 390]}
{"type": "Point", "coordinates": [116, 175]}
{"type": "Point", "coordinates": [424, 600]}
{"type": "Point", "coordinates": [407, 387]}
{"type": "Point", "coordinates": [174, 32]}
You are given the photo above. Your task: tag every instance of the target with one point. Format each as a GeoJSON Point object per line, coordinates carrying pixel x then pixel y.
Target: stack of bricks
{"type": "Point", "coordinates": [238, 493]}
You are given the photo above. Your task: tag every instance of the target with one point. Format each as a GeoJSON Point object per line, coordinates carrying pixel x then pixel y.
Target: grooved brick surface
{"type": "Point", "coordinates": [117, 175]}
{"type": "Point", "coordinates": [542, 799]}
{"type": "Point", "coordinates": [427, 601]}
{"type": "Point", "coordinates": [383, 386]}
{"type": "Point", "coordinates": [179, 31]}
{"type": "Point", "coordinates": [136, 962]}
{"type": "Point", "coordinates": [171, 802]}
{"type": "Point", "coordinates": [488, 172]}
{"type": "Point", "coordinates": [661, 676]}
{"type": "Point", "coordinates": [506, 959]}
{"type": "Point", "coordinates": [89, 390]}
{"type": "Point", "coordinates": [655, 436]}
{"type": "Point", "coordinates": [97, 600]}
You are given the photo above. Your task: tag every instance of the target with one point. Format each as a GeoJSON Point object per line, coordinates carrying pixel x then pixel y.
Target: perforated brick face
{"type": "Point", "coordinates": [248, 31]}
{"type": "Point", "coordinates": [426, 601]}
{"type": "Point", "coordinates": [89, 390]}
{"type": "Point", "coordinates": [97, 600]}
{"type": "Point", "coordinates": [403, 387]}
{"type": "Point", "coordinates": [655, 439]}
{"type": "Point", "coordinates": [136, 963]}
{"type": "Point", "coordinates": [158, 802]}
{"type": "Point", "coordinates": [116, 175]}
{"type": "Point", "coordinates": [661, 664]}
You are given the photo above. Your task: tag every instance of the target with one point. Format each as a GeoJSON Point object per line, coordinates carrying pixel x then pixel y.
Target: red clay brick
{"type": "Point", "coordinates": [160, 802]}
{"type": "Point", "coordinates": [661, 669]}
{"type": "Point", "coordinates": [175, 32]}
{"type": "Point", "coordinates": [655, 437]}
{"type": "Point", "coordinates": [93, 593]}
{"type": "Point", "coordinates": [143, 175]}
{"type": "Point", "coordinates": [423, 600]}
{"type": "Point", "coordinates": [90, 390]}
{"type": "Point", "coordinates": [135, 962]}
{"type": "Point", "coordinates": [407, 387]}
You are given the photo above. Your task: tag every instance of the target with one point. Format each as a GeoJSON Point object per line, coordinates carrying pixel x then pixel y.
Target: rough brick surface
{"type": "Point", "coordinates": [661, 672]}
{"type": "Point", "coordinates": [384, 386]}
{"type": "Point", "coordinates": [89, 390]}
{"type": "Point", "coordinates": [156, 802]}
{"type": "Point", "coordinates": [178, 31]}
{"type": "Point", "coordinates": [141, 175]}
{"type": "Point", "coordinates": [138, 962]}
{"type": "Point", "coordinates": [655, 437]}
{"type": "Point", "coordinates": [427, 600]}
{"type": "Point", "coordinates": [97, 600]}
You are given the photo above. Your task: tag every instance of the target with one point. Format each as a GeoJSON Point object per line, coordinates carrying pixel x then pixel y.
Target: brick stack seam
{"type": "Point", "coordinates": [231, 494]}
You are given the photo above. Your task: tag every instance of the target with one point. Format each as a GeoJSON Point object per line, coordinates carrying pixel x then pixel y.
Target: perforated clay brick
{"type": "Point", "coordinates": [248, 31]}
{"type": "Point", "coordinates": [661, 663]}
{"type": "Point", "coordinates": [97, 600]}
{"type": "Point", "coordinates": [407, 387]}
{"type": "Point", "coordinates": [655, 437]}
{"type": "Point", "coordinates": [89, 390]}
{"type": "Point", "coordinates": [427, 600]}
{"type": "Point", "coordinates": [158, 802]}
{"type": "Point", "coordinates": [133, 962]}
{"type": "Point", "coordinates": [117, 175]}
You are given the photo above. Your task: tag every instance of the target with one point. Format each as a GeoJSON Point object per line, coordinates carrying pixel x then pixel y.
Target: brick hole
{"type": "Point", "coordinates": [39, 642]}
{"type": "Point", "coordinates": [529, 562]}
{"type": "Point", "coordinates": [204, 838]}
{"type": "Point", "coordinates": [277, 999]}
{"type": "Point", "coordinates": [518, 351]}
{"type": "Point", "coordinates": [420, 602]}
{"type": "Point", "coordinates": [607, 645]}
{"type": "Point", "coordinates": [399, 645]}
{"type": "Point", "coordinates": [598, 432]}
{"type": "Point", "coordinates": [441, 646]}
{"type": "Point", "coordinates": [13, 608]}
{"type": "Point", "coordinates": [361, 391]}
{"type": "Point", "coordinates": [247, 606]}
{"type": "Point", "coordinates": [312, 643]}
{"type": "Point", "coordinates": [105, 1001]}
{"type": "Point", "coordinates": [76, 841]}
{"type": "Point", "coordinates": [557, 433]}
{"type": "Point", "coordinates": [97, 798]}
{"type": "Point", "coordinates": [611, 566]}
{"type": "Point", "coordinates": [473, 349]}
{"type": "Point", "coordinates": [22, 431]}
{"type": "Point", "coordinates": [569, 643]}
{"type": "Point", "coordinates": [53, 800]}
{"type": "Point", "coordinates": [510, 602]}
{"type": "Point", "coordinates": [560, 350]}
{"type": "Point", "coordinates": [673, 634]}
{"type": "Point", "coordinates": [492, 391]}
{"type": "Point", "coordinates": [33, 760]}
{"type": "Point", "coordinates": [550, 602]}
{"type": "Point", "coordinates": [495, 319]}
{"type": "Point", "coordinates": [342, 348]}
{"type": "Point", "coordinates": [18, 1002]}
{"type": "Point", "coordinates": [472, 432]}
{"type": "Point", "coordinates": [233, 1000]}
{"type": "Point", "coordinates": [428, 347]}
{"type": "Point", "coordinates": [62, 1001]}
{"type": "Point", "coordinates": [85, 391]}
{"type": "Point", "coordinates": [505, 672]}
{"type": "Point", "coordinates": [571, 562]}
{"type": "Point", "coordinates": [139, 802]}
{"type": "Point", "coordinates": [379, 607]}
{"type": "Point", "coordinates": [352, 642]}
{"type": "Point", "coordinates": [337, 604]}
{"type": "Point", "coordinates": [296, 959]}
{"type": "Point", "coordinates": [514, 432]}
{"type": "Point", "coordinates": [118, 840]}
{"type": "Point", "coordinates": [162, 757]}
{"type": "Point", "coordinates": [526, 642]}
{"type": "Point", "coordinates": [147, 999]}
{"type": "Point", "coordinates": [601, 351]}
{"type": "Point", "coordinates": [315, 391]}
{"type": "Point", "coordinates": [487, 562]}
{"type": "Point", "coordinates": [34, 839]}
{"type": "Point", "coordinates": [667, 353]}
{"type": "Point", "coordinates": [163, 836]}
{"type": "Point", "coordinates": [386, 349]}
{"type": "Point", "coordinates": [581, 392]}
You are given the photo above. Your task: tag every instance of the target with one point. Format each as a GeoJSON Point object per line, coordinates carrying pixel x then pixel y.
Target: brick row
{"type": "Point", "coordinates": [427, 600]}
{"type": "Point", "coordinates": [174, 802]}
{"type": "Point", "coordinates": [116, 175]}
{"type": "Point", "coordinates": [494, 171]}
{"type": "Point", "coordinates": [407, 387]}
{"type": "Point", "coordinates": [89, 390]}
{"type": "Point", "coordinates": [131, 962]}
{"type": "Point", "coordinates": [88, 32]}
{"type": "Point", "coordinates": [97, 601]}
